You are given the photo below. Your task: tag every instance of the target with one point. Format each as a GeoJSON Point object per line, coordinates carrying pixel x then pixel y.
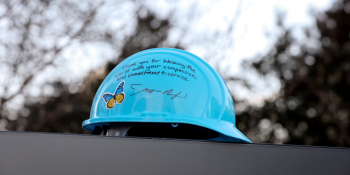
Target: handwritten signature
{"type": "Point", "coordinates": [150, 91]}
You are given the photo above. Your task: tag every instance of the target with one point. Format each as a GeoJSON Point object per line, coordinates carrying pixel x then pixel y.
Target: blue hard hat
{"type": "Point", "coordinates": [166, 86]}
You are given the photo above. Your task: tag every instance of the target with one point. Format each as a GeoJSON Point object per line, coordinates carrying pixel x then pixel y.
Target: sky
{"type": "Point", "coordinates": [254, 31]}
{"type": "Point", "coordinates": [254, 21]}
{"type": "Point", "coordinates": [249, 35]}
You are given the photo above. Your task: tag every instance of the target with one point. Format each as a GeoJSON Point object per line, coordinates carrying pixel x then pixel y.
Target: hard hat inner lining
{"type": "Point", "coordinates": [157, 130]}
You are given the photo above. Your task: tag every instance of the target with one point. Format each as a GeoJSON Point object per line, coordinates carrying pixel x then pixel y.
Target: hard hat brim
{"type": "Point", "coordinates": [225, 128]}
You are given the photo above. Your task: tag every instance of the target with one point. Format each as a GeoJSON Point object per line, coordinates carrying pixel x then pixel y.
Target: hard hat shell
{"type": "Point", "coordinates": [166, 85]}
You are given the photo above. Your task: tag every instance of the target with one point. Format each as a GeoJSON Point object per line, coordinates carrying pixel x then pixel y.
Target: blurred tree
{"type": "Point", "coordinates": [33, 36]}
{"type": "Point", "coordinates": [313, 104]}
{"type": "Point", "coordinates": [66, 112]}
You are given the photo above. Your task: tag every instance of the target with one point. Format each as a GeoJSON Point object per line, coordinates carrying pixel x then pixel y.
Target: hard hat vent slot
{"type": "Point", "coordinates": [167, 130]}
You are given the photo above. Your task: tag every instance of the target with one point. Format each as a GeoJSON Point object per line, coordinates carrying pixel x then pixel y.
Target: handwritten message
{"type": "Point", "coordinates": [169, 92]}
{"type": "Point", "coordinates": [153, 67]}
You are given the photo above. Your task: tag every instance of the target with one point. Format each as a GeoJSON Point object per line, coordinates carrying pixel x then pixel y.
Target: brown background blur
{"type": "Point", "coordinates": [311, 107]}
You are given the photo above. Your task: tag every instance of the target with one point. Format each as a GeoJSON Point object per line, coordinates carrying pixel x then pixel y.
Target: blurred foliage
{"type": "Point", "coordinates": [311, 108]}
{"type": "Point", "coordinates": [33, 36]}
{"type": "Point", "coordinates": [65, 111]}
{"type": "Point", "coordinates": [313, 104]}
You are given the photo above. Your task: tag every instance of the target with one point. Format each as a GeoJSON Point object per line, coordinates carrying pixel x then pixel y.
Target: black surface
{"type": "Point", "coordinates": [37, 153]}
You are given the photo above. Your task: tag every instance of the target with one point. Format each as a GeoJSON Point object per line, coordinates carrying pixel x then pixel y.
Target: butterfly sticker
{"type": "Point", "coordinates": [117, 97]}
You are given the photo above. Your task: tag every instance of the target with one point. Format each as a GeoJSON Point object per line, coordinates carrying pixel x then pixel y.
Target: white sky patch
{"type": "Point", "coordinates": [255, 20]}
